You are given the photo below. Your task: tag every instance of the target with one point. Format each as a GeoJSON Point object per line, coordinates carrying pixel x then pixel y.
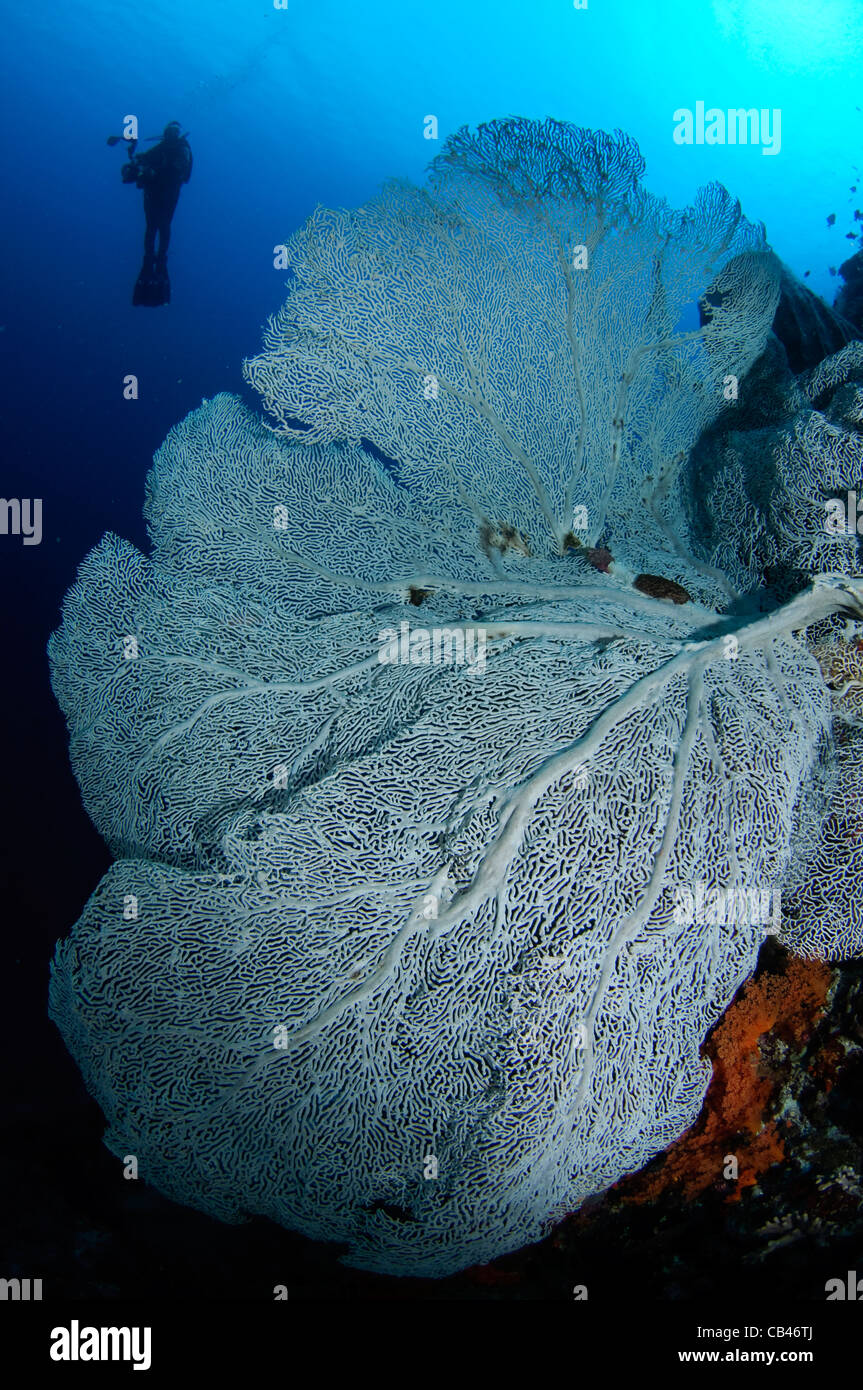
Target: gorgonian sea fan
{"type": "Point", "coordinates": [389, 953]}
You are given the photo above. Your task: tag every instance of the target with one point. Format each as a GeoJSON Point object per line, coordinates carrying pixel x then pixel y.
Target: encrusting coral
{"type": "Point", "coordinates": [734, 1123]}
{"type": "Point", "coordinates": [392, 952]}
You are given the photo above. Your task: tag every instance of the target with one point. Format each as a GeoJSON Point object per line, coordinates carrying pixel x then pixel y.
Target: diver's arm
{"type": "Point", "coordinates": [129, 171]}
{"type": "Point", "coordinates": [189, 170]}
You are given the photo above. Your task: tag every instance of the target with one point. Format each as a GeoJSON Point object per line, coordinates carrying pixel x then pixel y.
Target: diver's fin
{"type": "Point", "coordinates": [143, 291]}
{"type": "Point", "coordinates": [163, 284]}
{"type": "Point", "coordinates": [152, 287]}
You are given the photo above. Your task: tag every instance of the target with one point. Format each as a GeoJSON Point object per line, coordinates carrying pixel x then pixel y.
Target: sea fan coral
{"type": "Point", "coordinates": [392, 952]}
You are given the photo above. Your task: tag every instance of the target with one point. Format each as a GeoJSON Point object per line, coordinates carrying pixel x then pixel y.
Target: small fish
{"type": "Point", "coordinates": [832, 269]}
{"type": "Point", "coordinates": [852, 236]}
{"type": "Point", "coordinates": [831, 219]}
{"type": "Point", "coordinates": [805, 273]}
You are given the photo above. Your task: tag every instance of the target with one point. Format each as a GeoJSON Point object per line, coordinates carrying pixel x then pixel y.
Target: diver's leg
{"type": "Point", "coordinates": [167, 208]}
{"type": "Point", "coordinates": [164, 284]}
{"type": "Point", "coordinates": [150, 213]}
{"type": "Point", "coordinates": [166, 213]}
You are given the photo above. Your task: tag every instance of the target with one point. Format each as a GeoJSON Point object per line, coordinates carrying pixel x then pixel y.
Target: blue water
{"type": "Point", "coordinates": [319, 104]}
{"type": "Point", "coordinates": [286, 109]}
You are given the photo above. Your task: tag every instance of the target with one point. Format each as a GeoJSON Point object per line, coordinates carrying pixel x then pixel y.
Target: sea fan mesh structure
{"type": "Point", "coordinates": [764, 493]}
{"type": "Point", "coordinates": [391, 953]}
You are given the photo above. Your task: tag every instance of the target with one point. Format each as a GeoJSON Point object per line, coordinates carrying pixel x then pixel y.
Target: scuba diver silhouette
{"type": "Point", "coordinates": [160, 172]}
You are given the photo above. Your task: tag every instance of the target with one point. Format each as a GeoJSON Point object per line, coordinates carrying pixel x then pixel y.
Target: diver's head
{"type": "Point", "coordinates": [171, 131]}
